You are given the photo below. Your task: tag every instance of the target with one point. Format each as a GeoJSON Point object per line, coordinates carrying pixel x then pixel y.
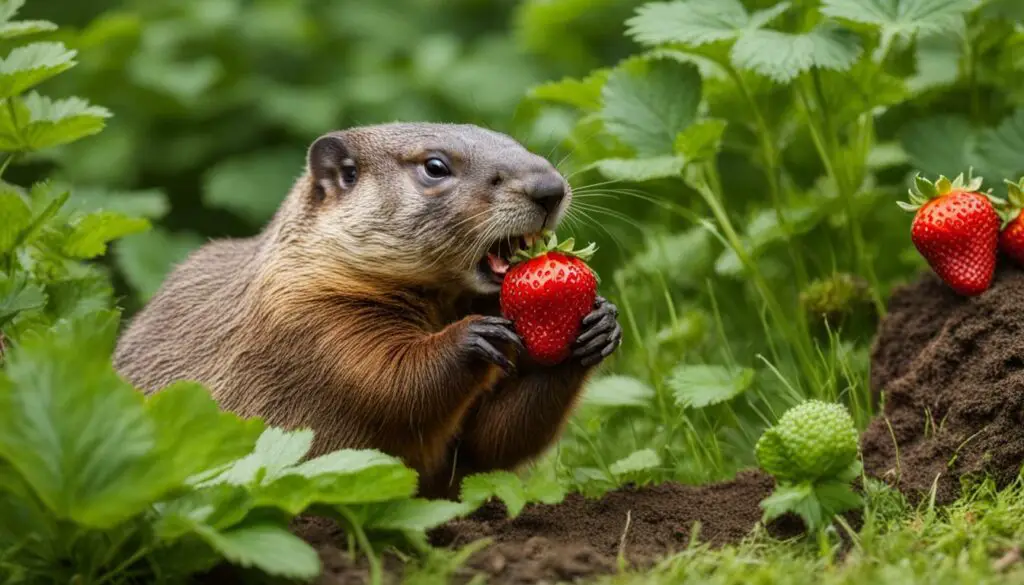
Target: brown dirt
{"type": "Point", "coordinates": [579, 538]}
{"type": "Point", "coordinates": [958, 362]}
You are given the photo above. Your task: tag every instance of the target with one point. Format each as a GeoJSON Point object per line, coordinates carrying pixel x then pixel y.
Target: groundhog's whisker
{"type": "Point", "coordinates": [584, 188]}
{"type": "Point", "coordinates": [592, 221]}
{"type": "Point", "coordinates": [614, 213]}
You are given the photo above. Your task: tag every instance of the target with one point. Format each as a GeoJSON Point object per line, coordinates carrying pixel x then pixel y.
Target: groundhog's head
{"type": "Point", "coordinates": [430, 203]}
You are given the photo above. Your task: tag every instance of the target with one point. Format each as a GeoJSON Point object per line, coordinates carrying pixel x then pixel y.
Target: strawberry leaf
{"type": "Point", "coordinates": [700, 386]}
{"type": "Point", "coordinates": [901, 18]}
{"type": "Point", "coordinates": [28, 66]}
{"type": "Point", "coordinates": [414, 514]}
{"type": "Point", "coordinates": [55, 122]}
{"type": "Point", "coordinates": [583, 94]}
{"type": "Point", "coordinates": [642, 169]}
{"type": "Point", "coordinates": [91, 233]}
{"type": "Point", "coordinates": [648, 102]}
{"type": "Point", "coordinates": [272, 549]}
{"type": "Point", "coordinates": [697, 22]}
{"type": "Point", "coordinates": [90, 446]}
{"type": "Point", "coordinates": [782, 57]}
{"type": "Point", "coordinates": [641, 460]}
{"type": "Point", "coordinates": [618, 391]}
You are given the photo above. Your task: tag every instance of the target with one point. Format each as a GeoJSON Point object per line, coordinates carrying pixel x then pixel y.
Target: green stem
{"type": "Point", "coordinates": [9, 103]}
{"type": "Point", "coordinates": [713, 201]}
{"type": "Point", "coordinates": [771, 169]}
{"type": "Point", "coordinates": [116, 571]}
{"type": "Point", "coordinates": [826, 142]}
{"type": "Point", "coordinates": [376, 575]}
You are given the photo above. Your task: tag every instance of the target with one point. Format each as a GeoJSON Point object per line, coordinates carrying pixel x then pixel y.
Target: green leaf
{"type": "Point", "coordinates": [148, 203]}
{"type": "Point", "coordinates": [414, 514]}
{"type": "Point", "coordinates": [696, 22]}
{"type": "Point", "coordinates": [193, 434]}
{"type": "Point", "coordinates": [17, 294]}
{"type": "Point", "coordinates": [343, 461]}
{"type": "Point", "coordinates": [583, 94]}
{"type": "Point", "coordinates": [786, 499]}
{"type": "Point", "coordinates": [275, 451]}
{"type": "Point", "coordinates": [782, 57]}
{"type": "Point", "coordinates": [295, 493]}
{"type": "Point", "coordinates": [91, 233]}
{"type": "Point", "coordinates": [219, 508]}
{"type": "Point", "coordinates": [641, 460]}
{"type": "Point", "coordinates": [146, 258]}
{"type": "Point", "coordinates": [837, 497]}
{"type": "Point", "coordinates": [641, 169]}
{"type": "Point", "coordinates": [544, 489]}
{"type": "Point", "coordinates": [859, 91]}
{"type": "Point", "coordinates": [683, 258]}
{"type": "Point", "coordinates": [999, 149]}
{"type": "Point", "coordinates": [17, 217]}
{"type": "Point", "coordinates": [699, 386]}
{"type": "Point", "coordinates": [30, 65]}
{"type": "Point", "coordinates": [617, 390]}
{"type": "Point", "coordinates": [253, 185]}
{"type": "Point", "coordinates": [504, 485]}
{"type": "Point", "coordinates": [701, 141]}
{"type": "Point", "coordinates": [939, 145]}
{"type": "Point", "coordinates": [52, 123]}
{"type": "Point", "coordinates": [271, 549]}
{"type": "Point", "coordinates": [9, 9]}
{"type": "Point", "coordinates": [648, 102]}
{"type": "Point", "coordinates": [938, 62]}
{"type": "Point", "coordinates": [902, 18]}
{"type": "Point", "coordinates": [10, 30]}
{"type": "Point", "coordinates": [86, 442]}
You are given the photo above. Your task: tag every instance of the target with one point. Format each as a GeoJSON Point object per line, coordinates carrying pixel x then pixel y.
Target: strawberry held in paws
{"type": "Point", "coordinates": [956, 230]}
{"type": "Point", "coordinates": [547, 293]}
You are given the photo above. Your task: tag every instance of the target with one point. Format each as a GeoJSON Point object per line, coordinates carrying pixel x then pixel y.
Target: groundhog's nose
{"type": "Point", "coordinates": [547, 190]}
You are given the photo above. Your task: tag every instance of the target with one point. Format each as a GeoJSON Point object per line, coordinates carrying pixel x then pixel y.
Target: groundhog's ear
{"type": "Point", "coordinates": [332, 165]}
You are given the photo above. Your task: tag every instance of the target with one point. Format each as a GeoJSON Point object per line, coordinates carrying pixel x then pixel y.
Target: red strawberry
{"type": "Point", "coordinates": [546, 293]}
{"type": "Point", "coordinates": [1011, 238]}
{"type": "Point", "coordinates": [956, 229]}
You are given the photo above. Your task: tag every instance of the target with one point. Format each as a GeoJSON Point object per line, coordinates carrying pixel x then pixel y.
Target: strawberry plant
{"type": "Point", "coordinates": [812, 453]}
{"type": "Point", "coordinates": [746, 154]}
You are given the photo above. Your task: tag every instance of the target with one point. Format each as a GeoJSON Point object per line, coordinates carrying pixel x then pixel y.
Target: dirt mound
{"type": "Point", "coordinates": [952, 369]}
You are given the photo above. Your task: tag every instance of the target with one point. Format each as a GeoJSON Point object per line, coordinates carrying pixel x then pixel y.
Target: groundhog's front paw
{"type": "Point", "coordinates": [486, 334]}
{"type": "Point", "coordinates": [600, 334]}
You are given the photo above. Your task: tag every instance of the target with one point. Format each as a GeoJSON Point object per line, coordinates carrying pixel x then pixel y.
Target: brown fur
{"type": "Point", "coordinates": [349, 312]}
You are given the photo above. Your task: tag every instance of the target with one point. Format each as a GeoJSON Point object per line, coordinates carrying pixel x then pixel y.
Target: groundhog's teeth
{"type": "Point", "coordinates": [498, 264]}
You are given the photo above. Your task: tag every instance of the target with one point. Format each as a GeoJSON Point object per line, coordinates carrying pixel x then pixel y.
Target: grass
{"type": "Point", "coordinates": [975, 540]}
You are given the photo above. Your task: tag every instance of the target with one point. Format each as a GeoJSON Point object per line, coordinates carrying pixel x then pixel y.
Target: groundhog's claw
{"type": "Point", "coordinates": [601, 333]}
{"type": "Point", "coordinates": [485, 332]}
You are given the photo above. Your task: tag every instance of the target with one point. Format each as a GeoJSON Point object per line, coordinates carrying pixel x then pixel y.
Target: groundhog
{"type": "Point", "coordinates": [367, 308]}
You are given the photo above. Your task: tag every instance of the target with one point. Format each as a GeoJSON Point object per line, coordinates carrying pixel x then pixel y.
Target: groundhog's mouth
{"type": "Point", "coordinates": [495, 263]}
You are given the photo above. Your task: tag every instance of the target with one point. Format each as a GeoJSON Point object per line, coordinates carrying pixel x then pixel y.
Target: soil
{"type": "Point", "coordinates": [578, 538]}
{"type": "Point", "coordinates": [952, 372]}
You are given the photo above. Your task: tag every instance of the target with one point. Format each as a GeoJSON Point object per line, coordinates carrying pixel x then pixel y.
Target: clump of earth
{"type": "Point", "coordinates": [950, 370]}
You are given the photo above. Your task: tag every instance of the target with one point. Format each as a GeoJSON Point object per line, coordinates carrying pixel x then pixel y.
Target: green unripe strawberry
{"type": "Point", "coordinates": [813, 440]}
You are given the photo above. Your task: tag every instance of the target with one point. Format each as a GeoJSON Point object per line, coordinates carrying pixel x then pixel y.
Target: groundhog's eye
{"type": "Point", "coordinates": [348, 174]}
{"type": "Point", "coordinates": [436, 169]}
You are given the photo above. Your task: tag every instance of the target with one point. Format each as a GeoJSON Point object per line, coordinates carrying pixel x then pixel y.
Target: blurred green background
{"type": "Point", "coordinates": [215, 101]}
